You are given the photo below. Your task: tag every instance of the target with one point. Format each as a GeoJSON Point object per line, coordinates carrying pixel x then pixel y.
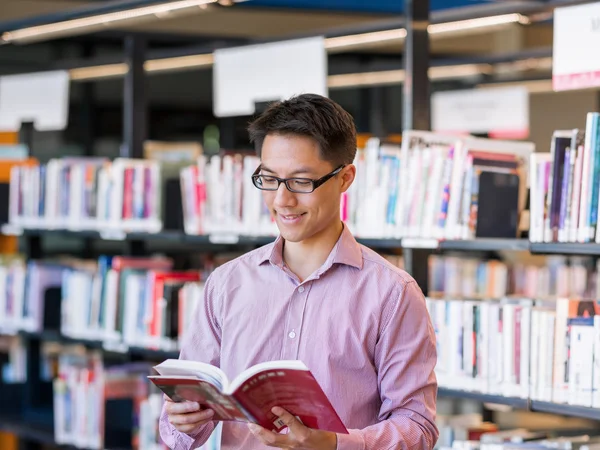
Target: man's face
{"type": "Point", "coordinates": [301, 216]}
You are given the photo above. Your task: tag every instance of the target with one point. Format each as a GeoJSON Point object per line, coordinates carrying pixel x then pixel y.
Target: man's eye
{"type": "Point", "coordinates": [302, 183]}
{"type": "Point", "coordinates": [269, 179]}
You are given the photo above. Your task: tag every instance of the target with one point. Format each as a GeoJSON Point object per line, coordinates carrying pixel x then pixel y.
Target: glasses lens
{"type": "Point", "coordinates": [265, 182]}
{"type": "Point", "coordinates": [300, 185]}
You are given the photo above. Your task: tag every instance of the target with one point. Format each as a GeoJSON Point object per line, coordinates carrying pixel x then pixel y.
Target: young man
{"type": "Point", "coordinates": [359, 323]}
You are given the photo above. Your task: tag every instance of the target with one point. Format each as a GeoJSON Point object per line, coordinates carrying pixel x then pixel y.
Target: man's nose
{"type": "Point", "coordinates": [284, 197]}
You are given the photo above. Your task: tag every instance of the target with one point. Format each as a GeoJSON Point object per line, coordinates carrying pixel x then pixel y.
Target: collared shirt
{"type": "Point", "coordinates": [359, 323]}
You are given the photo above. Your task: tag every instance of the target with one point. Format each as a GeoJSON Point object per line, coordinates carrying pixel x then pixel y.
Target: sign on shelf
{"type": "Point", "coordinates": [576, 47]}
{"type": "Point", "coordinates": [501, 112]}
{"type": "Point", "coordinates": [245, 76]}
{"type": "Point", "coordinates": [41, 98]}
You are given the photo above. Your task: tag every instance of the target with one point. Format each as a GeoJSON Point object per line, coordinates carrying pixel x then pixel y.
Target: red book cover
{"type": "Point", "coordinates": [128, 193]}
{"type": "Point", "coordinates": [252, 394]}
{"type": "Point", "coordinates": [160, 279]}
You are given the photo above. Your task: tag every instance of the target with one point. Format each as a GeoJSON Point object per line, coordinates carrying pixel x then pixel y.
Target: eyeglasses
{"type": "Point", "coordinates": [297, 185]}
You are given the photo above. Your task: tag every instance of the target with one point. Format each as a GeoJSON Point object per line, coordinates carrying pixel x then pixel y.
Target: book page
{"type": "Point", "coordinates": [203, 371]}
{"type": "Point", "coordinates": [262, 367]}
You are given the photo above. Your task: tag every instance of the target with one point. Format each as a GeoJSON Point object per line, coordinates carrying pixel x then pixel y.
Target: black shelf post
{"type": "Point", "coordinates": [135, 112]}
{"type": "Point", "coordinates": [416, 104]}
{"type": "Point", "coordinates": [32, 250]}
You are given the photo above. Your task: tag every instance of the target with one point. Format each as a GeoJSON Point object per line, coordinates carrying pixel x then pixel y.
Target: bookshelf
{"type": "Point", "coordinates": [135, 116]}
{"type": "Point", "coordinates": [524, 404]}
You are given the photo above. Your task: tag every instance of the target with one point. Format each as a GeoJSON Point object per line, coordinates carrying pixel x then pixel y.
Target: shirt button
{"type": "Point", "coordinates": [301, 289]}
{"type": "Point", "coordinates": [292, 334]}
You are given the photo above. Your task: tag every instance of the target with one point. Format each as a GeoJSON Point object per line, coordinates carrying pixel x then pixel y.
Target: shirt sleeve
{"type": "Point", "coordinates": [405, 357]}
{"type": "Point", "coordinates": [202, 342]}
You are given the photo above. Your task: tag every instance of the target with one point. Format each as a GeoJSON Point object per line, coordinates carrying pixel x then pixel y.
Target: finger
{"type": "Point", "coordinates": [292, 423]}
{"type": "Point", "coordinates": [166, 398]}
{"type": "Point", "coordinates": [182, 407]}
{"type": "Point", "coordinates": [191, 418]}
{"type": "Point", "coordinates": [268, 437]}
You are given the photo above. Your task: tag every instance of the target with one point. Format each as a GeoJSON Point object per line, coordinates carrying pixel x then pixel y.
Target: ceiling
{"type": "Point", "coordinates": [256, 20]}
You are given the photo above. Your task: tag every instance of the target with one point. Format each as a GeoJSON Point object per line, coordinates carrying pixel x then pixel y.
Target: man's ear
{"type": "Point", "coordinates": [347, 176]}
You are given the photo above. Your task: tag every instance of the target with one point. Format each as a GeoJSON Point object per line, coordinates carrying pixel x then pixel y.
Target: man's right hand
{"type": "Point", "coordinates": [187, 417]}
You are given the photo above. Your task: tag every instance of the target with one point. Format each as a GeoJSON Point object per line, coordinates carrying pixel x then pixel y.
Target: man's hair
{"type": "Point", "coordinates": [309, 115]}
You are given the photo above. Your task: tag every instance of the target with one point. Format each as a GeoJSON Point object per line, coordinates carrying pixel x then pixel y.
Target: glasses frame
{"type": "Point", "coordinates": [315, 183]}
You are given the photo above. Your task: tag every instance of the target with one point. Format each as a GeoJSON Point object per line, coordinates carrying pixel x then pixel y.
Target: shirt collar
{"type": "Point", "coordinates": [346, 251]}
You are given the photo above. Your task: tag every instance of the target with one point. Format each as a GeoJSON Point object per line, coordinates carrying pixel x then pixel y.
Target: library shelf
{"type": "Point", "coordinates": [522, 403]}
{"type": "Point", "coordinates": [565, 248]}
{"type": "Point", "coordinates": [40, 434]}
{"type": "Point", "coordinates": [515, 402]}
{"type": "Point", "coordinates": [566, 410]}
{"type": "Point", "coordinates": [27, 431]}
{"type": "Point", "coordinates": [486, 244]}
{"type": "Point", "coordinates": [467, 245]}
{"type": "Point", "coordinates": [181, 237]}
{"type": "Point", "coordinates": [147, 353]}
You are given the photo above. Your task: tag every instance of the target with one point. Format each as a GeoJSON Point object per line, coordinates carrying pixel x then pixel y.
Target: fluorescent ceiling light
{"type": "Point", "coordinates": [473, 24]}
{"type": "Point", "coordinates": [363, 40]}
{"type": "Point", "coordinates": [365, 79]}
{"type": "Point", "coordinates": [98, 72]}
{"type": "Point", "coordinates": [101, 21]}
{"type": "Point", "coordinates": [179, 63]}
{"type": "Point", "coordinates": [398, 76]}
{"type": "Point", "coordinates": [533, 86]}
{"type": "Point", "coordinates": [154, 65]}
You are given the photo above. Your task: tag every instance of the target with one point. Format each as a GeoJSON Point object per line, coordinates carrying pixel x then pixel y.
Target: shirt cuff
{"type": "Point", "coordinates": [195, 439]}
{"type": "Point", "coordinates": [352, 441]}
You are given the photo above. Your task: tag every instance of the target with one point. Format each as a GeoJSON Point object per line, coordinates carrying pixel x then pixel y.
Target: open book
{"type": "Point", "coordinates": [252, 394]}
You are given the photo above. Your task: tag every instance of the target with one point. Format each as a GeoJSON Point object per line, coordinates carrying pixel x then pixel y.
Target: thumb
{"type": "Point", "coordinates": [294, 425]}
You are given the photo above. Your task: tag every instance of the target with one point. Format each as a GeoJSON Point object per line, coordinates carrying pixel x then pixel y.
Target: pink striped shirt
{"type": "Point", "coordinates": [359, 323]}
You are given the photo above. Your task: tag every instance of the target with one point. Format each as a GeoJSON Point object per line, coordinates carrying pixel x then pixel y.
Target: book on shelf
{"type": "Point", "coordinates": [251, 395]}
{"type": "Point", "coordinates": [564, 192]}
{"type": "Point", "coordinates": [545, 350]}
{"type": "Point", "coordinates": [431, 186]}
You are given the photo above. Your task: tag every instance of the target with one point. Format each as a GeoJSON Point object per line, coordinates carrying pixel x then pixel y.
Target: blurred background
{"type": "Point", "coordinates": [124, 159]}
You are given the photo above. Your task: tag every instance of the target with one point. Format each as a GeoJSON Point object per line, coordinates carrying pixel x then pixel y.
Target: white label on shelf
{"type": "Point", "coordinates": [115, 346]}
{"type": "Point", "coordinates": [501, 112]}
{"type": "Point", "coordinates": [113, 235]}
{"type": "Point", "coordinates": [223, 238]}
{"type": "Point", "coordinates": [41, 98]}
{"type": "Point", "coordinates": [420, 243]}
{"type": "Point", "coordinates": [9, 229]}
{"type": "Point", "coordinates": [575, 61]}
{"type": "Point", "coordinates": [267, 72]}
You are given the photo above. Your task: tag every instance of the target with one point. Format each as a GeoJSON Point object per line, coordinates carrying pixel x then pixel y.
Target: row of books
{"type": "Point", "coordinates": [88, 193]}
{"type": "Point", "coordinates": [428, 188]}
{"type": "Point", "coordinates": [565, 186]}
{"type": "Point", "coordinates": [524, 348]}
{"type": "Point", "coordinates": [539, 277]}
{"type": "Point", "coordinates": [525, 439]}
{"type": "Point", "coordinates": [446, 183]}
{"type": "Point", "coordinates": [13, 368]}
{"type": "Point", "coordinates": [97, 406]}
{"type": "Point", "coordinates": [123, 302]}
{"type": "Point", "coordinates": [120, 301]}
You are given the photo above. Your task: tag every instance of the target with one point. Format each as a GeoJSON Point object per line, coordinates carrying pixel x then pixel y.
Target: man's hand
{"type": "Point", "coordinates": [187, 417]}
{"type": "Point", "coordinates": [299, 436]}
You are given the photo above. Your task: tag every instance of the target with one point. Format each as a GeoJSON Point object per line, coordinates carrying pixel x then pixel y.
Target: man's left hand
{"type": "Point", "coordinates": [299, 436]}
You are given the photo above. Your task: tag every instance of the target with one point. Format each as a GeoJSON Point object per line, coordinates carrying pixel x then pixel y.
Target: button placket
{"type": "Point", "coordinates": [294, 322]}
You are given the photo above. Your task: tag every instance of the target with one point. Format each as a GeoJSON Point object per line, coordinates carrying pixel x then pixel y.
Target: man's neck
{"type": "Point", "coordinates": [303, 258]}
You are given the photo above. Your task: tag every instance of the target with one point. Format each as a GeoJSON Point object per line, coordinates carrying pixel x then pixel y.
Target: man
{"type": "Point", "coordinates": [359, 323]}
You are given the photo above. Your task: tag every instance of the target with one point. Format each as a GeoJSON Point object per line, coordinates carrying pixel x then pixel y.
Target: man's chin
{"type": "Point", "coordinates": [291, 235]}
